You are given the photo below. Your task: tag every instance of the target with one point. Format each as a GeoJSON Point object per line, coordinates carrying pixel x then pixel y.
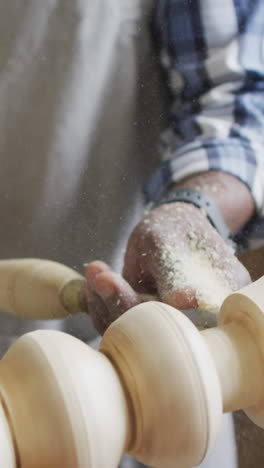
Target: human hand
{"type": "Point", "coordinates": [173, 253]}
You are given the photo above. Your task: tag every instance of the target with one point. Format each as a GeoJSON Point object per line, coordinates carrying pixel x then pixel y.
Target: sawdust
{"type": "Point", "coordinates": [190, 257]}
{"type": "Point", "coordinates": [197, 268]}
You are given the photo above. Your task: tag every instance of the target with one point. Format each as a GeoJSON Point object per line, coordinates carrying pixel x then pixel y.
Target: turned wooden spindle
{"type": "Point", "coordinates": [156, 389]}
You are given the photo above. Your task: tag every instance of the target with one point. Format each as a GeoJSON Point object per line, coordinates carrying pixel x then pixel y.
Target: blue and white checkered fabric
{"type": "Point", "coordinates": [213, 51]}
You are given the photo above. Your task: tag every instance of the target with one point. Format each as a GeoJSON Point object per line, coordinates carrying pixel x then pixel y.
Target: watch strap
{"type": "Point", "coordinates": [202, 201]}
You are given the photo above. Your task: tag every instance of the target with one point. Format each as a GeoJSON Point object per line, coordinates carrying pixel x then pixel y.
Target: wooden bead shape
{"type": "Point", "coordinates": [64, 403]}
{"type": "Point", "coordinates": [170, 379]}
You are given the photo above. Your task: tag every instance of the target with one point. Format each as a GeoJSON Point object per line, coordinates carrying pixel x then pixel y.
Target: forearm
{"type": "Point", "coordinates": [232, 196]}
{"type": "Point", "coordinates": [215, 139]}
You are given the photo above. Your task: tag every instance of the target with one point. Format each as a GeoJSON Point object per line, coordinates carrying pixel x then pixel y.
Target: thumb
{"type": "Point", "coordinates": [174, 284]}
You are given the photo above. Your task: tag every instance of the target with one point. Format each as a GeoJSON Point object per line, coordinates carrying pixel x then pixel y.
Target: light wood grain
{"type": "Point", "coordinates": [83, 409]}
{"type": "Point", "coordinates": [39, 289]}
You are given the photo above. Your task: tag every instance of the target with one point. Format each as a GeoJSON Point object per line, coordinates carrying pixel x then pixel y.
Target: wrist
{"type": "Point", "coordinates": [231, 195]}
{"type": "Point", "coordinates": [205, 203]}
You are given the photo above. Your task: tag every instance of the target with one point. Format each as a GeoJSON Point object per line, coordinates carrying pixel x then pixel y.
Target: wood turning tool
{"type": "Point", "coordinates": [156, 389]}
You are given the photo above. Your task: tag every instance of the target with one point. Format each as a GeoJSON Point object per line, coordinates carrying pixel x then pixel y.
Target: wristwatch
{"type": "Point", "coordinates": [200, 200]}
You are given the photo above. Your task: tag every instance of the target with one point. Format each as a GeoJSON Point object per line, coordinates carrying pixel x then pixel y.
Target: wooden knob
{"type": "Point", "coordinates": [66, 406]}
{"type": "Point", "coordinates": [171, 383]}
{"type": "Point", "coordinates": [40, 289]}
{"type": "Point", "coordinates": [243, 312]}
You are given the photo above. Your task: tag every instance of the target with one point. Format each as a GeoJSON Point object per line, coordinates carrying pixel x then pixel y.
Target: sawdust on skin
{"type": "Point", "coordinates": [200, 266]}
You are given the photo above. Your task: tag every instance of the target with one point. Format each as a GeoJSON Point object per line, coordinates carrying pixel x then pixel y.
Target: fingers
{"type": "Point", "coordinates": [108, 295]}
{"type": "Point", "coordinates": [116, 293]}
{"type": "Point", "coordinates": [96, 306]}
{"type": "Point", "coordinates": [155, 279]}
{"type": "Point", "coordinates": [155, 271]}
{"type": "Point", "coordinates": [137, 272]}
{"type": "Point", "coordinates": [97, 310]}
{"type": "Point", "coordinates": [94, 268]}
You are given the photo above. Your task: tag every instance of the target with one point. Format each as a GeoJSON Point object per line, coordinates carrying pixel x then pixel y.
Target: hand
{"type": "Point", "coordinates": [174, 253]}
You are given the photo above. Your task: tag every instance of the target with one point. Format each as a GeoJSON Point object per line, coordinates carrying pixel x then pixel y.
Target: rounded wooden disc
{"type": "Point", "coordinates": [171, 382]}
{"type": "Point", "coordinates": [65, 401]}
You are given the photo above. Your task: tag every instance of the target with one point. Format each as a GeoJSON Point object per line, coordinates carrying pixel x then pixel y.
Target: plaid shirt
{"type": "Point", "coordinates": [213, 51]}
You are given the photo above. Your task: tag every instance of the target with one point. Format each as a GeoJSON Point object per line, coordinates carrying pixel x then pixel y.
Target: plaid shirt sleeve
{"type": "Point", "coordinates": [213, 51]}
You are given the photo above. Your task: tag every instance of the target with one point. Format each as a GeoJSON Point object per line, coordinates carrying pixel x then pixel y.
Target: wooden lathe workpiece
{"type": "Point", "coordinates": [156, 389]}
